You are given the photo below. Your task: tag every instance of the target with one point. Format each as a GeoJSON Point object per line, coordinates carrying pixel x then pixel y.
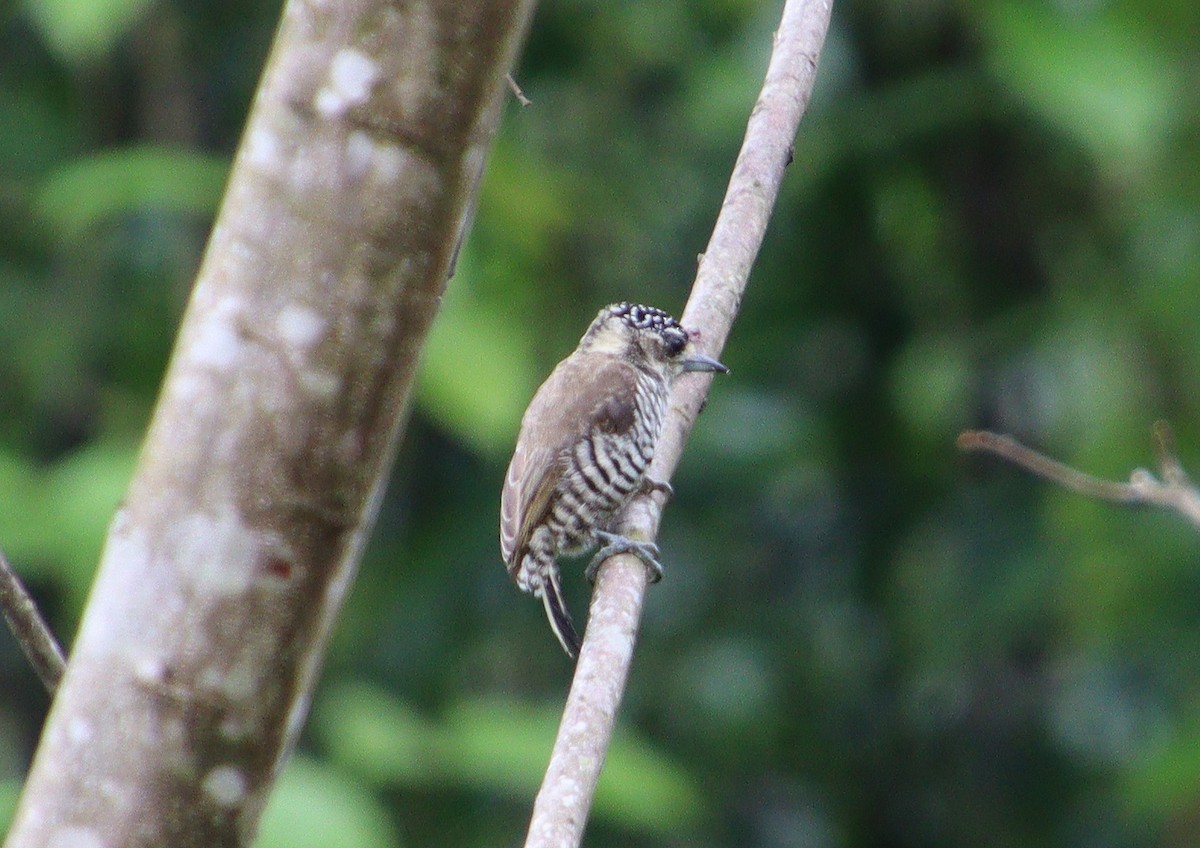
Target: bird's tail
{"type": "Point", "coordinates": [556, 611]}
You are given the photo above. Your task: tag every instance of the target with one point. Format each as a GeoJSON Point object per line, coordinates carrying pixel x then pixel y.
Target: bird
{"type": "Point", "coordinates": [585, 443]}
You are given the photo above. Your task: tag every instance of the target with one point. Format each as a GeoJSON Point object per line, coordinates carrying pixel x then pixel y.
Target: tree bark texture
{"type": "Point", "coordinates": [230, 556]}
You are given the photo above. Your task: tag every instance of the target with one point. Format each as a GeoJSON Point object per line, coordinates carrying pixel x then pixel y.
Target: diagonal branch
{"type": "Point", "coordinates": [565, 798]}
{"type": "Point", "coordinates": [30, 629]}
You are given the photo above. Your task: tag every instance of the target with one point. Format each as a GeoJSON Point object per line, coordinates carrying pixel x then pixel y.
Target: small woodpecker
{"type": "Point", "coordinates": [585, 444]}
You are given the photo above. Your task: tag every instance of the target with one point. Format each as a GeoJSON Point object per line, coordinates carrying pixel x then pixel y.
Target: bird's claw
{"type": "Point", "coordinates": [650, 486]}
{"type": "Point", "coordinates": [614, 543]}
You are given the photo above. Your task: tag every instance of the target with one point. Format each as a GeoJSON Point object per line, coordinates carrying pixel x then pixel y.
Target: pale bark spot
{"type": "Point", "coordinates": [233, 728]}
{"type": "Point", "coordinates": [299, 326]}
{"type": "Point", "coordinates": [262, 148]}
{"type": "Point", "coordinates": [321, 384]}
{"type": "Point", "coordinates": [218, 551]}
{"type": "Point", "coordinates": [226, 785]}
{"type": "Point", "coordinates": [79, 730]}
{"type": "Point", "coordinates": [351, 77]}
{"type": "Point", "coordinates": [150, 671]}
{"type": "Point", "coordinates": [216, 341]}
{"type": "Point", "coordinates": [393, 162]}
{"type": "Point", "coordinates": [360, 151]}
{"type": "Point", "coordinates": [75, 837]}
{"type": "Point", "coordinates": [241, 680]}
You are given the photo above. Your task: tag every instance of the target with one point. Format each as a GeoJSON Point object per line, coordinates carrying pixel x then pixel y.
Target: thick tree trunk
{"type": "Point", "coordinates": [228, 561]}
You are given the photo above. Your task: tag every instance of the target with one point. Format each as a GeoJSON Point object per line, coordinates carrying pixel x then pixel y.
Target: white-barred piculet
{"type": "Point", "coordinates": [586, 441]}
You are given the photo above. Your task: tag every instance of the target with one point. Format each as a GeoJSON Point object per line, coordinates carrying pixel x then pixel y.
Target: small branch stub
{"type": "Point", "coordinates": [516, 91]}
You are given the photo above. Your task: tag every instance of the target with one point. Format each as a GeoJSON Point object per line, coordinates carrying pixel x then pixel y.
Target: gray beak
{"type": "Point", "coordinates": [700, 362]}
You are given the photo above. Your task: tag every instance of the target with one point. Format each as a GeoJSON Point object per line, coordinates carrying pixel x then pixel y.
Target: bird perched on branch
{"type": "Point", "coordinates": [585, 444]}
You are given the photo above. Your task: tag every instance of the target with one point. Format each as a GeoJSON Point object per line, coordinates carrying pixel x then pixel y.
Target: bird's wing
{"type": "Point", "coordinates": [576, 398]}
{"type": "Point", "coordinates": [519, 499]}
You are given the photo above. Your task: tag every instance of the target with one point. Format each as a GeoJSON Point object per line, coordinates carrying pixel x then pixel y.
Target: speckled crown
{"type": "Point", "coordinates": [651, 318]}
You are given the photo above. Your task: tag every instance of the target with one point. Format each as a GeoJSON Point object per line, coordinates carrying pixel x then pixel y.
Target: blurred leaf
{"type": "Point", "coordinates": [1094, 77]}
{"type": "Point", "coordinates": [21, 518]}
{"type": "Point", "coordinates": [478, 375]}
{"type": "Point", "coordinates": [500, 747]}
{"type": "Point", "coordinates": [57, 519]}
{"type": "Point", "coordinates": [1167, 783]}
{"type": "Point", "coordinates": [871, 123]}
{"type": "Point", "coordinates": [1100, 373]}
{"type": "Point", "coordinates": [720, 90]}
{"type": "Point", "coordinates": [84, 30]}
{"type": "Point", "coordinates": [931, 387]}
{"type": "Point", "coordinates": [25, 116]}
{"type": "Point", "coordinates": [752, 425]}
{"type": "Point", "coordinates": [87, 191]}
{"type": "Point", "coordinates": [81, 493]}
{"type": "Point", "coordinates": [526, 200]}
{"type": "Point", "coordinates": [376, 735]}
{"type": "Point", "coordinates": [313, 806]}
{"type": "Point", "coordinates": [10, 791]}
{"type": "Point", "coordinates": [643, 790]}
{"type": "Point", "coordinates": [639, 788]}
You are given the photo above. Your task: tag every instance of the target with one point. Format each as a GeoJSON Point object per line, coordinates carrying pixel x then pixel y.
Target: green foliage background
{"type": "Point", "coordinates": [993, 219]}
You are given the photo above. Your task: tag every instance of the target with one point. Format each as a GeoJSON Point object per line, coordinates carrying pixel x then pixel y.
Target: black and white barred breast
{"type": "Point", "coordinates": [607, 466]}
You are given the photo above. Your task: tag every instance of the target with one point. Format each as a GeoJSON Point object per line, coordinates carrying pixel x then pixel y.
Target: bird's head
{"type": "Point", "coordinates": [647, 337]}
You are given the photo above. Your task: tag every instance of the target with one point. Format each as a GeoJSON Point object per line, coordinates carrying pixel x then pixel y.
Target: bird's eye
{"type": "Point", "coordinates": [675, 340]}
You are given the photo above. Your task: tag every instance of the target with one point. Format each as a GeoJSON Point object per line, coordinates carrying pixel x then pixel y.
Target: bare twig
{"type": "Point", "coordinates": [562, 805]}
{"type": "Point", "coordinates": [1010, 449]}
{"type": "Point", "coordinates": [516, 90]}
{"type": "Point", "coordinates": [1174, 491]}
{"type": "Point", "coordinates": [30, 629]}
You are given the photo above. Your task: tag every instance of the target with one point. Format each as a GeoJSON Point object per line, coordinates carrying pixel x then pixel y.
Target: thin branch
{"type": "Point", "coordinates": [1042, 466]}
{"type": "Point", "coordinates": [562, 805]}
{"type": "Point", "coordinates": [516, 90]}
{"type": "Point", "coordinates": [27, 625]}
{"type": "Point", "coordinates": [1173, 491]}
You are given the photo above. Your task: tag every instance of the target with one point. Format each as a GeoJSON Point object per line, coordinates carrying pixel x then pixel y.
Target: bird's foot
{"type": "Point", "coordinates": [614, 543]}
{"type": "Point", "coordinates": [650, 486]}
